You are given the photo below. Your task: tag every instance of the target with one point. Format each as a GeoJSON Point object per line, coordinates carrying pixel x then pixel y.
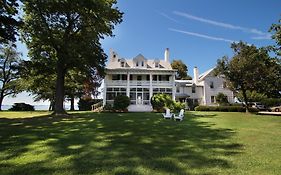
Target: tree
{"type": "Point", "coordinates": [251, 69]}
{"type": "Point", "coordinates": [68, 34]}
{"type": "Point", "coordinates": [8, 24]}
{"type": "Point", "coordinates": [40, 80]}
{"type": "Point", "coordinates": [9, 77]}
{"type": "Point", "coordinates": [276, 29]}
{"type": "Point", "coordinates": [181, 70]}
{"type": "Point", "coordinates": [221, 99]}
{"type": "Point", "coordinates": [253, 96]}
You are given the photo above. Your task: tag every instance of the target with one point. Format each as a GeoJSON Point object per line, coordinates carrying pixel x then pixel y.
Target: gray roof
{"type": "Point", "coordinates": [115, 63]}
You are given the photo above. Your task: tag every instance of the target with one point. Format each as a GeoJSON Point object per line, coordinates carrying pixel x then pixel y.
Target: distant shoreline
{"type": "Point", "coordinates": [39, 107]}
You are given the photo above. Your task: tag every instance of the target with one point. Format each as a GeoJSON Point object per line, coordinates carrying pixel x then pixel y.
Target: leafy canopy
{"type": "Point", "coordinates": [8, 24]}
{"type": "Point", "coordinates": [181, 70]}
{"type": "Point", "coordinates": [65, 35]}
{"type": "Point", "coordinates": [10, 84]}
{"type": "Point", "coordinates": [251, 69]}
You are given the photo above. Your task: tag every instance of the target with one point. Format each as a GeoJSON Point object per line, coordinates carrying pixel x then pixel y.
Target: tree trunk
{"type": "Point", "coordinates": [52, 105]}
{"type": "Point", "coordinates": [1, 100]}
{"type": "Point", "coordinates": [245, 99]}
{"type": "Point", "coordinates": [59, 98]}
{"type": "Point", "coordinates": [72, 103]}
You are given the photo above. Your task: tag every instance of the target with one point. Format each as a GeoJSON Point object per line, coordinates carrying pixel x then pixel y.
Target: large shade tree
{"type": "Point", "coordinates": [251, 69]}
{"type": "Point", "coordinates": [9, 76]}
{"type": "Point", "coordinates": [40, 80]}
{"type": "Point", "coordinates": [68, 34]}
{"type": "Point", "coordinates": [8, 22]}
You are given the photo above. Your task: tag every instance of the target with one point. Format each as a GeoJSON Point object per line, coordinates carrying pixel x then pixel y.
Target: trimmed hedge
{"type": "Point", "coordinates": [225, 108]}
{"type": "Point", "coordinates": [22, 107]}
{"type": "Point", "coordinates": [121, 102]}
{"type": "Point", "coordinates": [86, 104]}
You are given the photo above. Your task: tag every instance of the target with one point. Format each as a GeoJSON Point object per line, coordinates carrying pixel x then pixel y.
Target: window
{"type": "Point", "coordinates": [147, 77]}
{"type": "Point", "coordinates": [168, 90]}
{"type": "Point", "coordinates": [160, 78]}
{"type": "Point", "coordinates": [211, 84]}
{"type": "Point", "coordinates": [142, 63]}
{"type": "Point", "coordinates": [178, 89]}
{"type": "Point", "coordinates": [224, 85]}
{"type": "Point", "coordinates": [114, 56]}
{"type": "Point", "coordinates": [139, 78]}
{"type": "Point", "coordinates": [145, 90]}
{"type": "Point", "coordinates": [110, 95]}
{"type": "Point", "coordinates": [122, 64]}
{"type": "Point", "coordinates": [137, 64]}
{"type": "Point", "coordinates": [115, 77]}
{"type": "Point", "coordinates": [133, 90]}
{"type": "Point", "coordinates": [213, 99]}
{"type": "Point", "coordinates": [124, 77]}
{"type": "Point", "coordinates": [156, 64]}
{"type": "Point", "coordinates": [131, 77]}
{"type": "Point", "coordinates": [154, 77]}
{"type": "Point", "coordinates": [193, 89]}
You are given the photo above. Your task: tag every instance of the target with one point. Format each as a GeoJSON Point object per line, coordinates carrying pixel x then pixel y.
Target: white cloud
{"type": "Point", "coordinates": [263, 35]}
{"type": "Point", "coordinates": [202, 35]}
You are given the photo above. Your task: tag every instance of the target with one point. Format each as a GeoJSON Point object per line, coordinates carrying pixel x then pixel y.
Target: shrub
{"type": "Point", "coordinates": [121, 102]}
{"type": "Point", "coordinates": [159, 101]}
{"type": "Point", "coordinates": [86, 104]}
{"type": "Point", "coordinates": [108, 107]}
{"type": "Point", "coordinates": [225, 108]}
{"type": "Point", "coordinates": [177, 106]}
{"type": "Point", "coordinates": [22, 107]}
{"type": "Point", "coordinates": [253, 109]}
{"type": "Point", "coordinates": [271, 102]}
{"type": "Point", "coordinates": [221, 99]}
{"type": "Point", "coordinates": [192, 104]}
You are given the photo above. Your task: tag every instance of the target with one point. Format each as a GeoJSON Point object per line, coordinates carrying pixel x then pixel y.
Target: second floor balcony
{"type": "Point", "coordinates": [137, 83]}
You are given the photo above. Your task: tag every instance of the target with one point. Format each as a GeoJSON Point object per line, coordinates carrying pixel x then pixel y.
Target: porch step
{"type": "Point", "coordinates": [140, 108]}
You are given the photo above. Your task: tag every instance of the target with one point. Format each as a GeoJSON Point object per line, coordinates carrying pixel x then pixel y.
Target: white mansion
{"type": "Point", "coordinates": [140, 78]}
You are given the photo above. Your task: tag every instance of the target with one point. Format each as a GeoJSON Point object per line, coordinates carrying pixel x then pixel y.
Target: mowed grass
{"type": "Point", "coordinates": [139, 143]}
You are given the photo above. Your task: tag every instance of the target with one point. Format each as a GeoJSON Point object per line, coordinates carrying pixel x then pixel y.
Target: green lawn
{"type": "Point", "coordinates": [139, 143]}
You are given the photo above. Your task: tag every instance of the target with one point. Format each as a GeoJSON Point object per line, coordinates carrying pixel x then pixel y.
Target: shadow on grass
{"type": "Point", "coordinates": [110, 143]}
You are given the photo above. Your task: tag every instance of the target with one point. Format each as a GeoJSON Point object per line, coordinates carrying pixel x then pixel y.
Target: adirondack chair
{"type": "Point", "coordinates": [180, 115]}
{"type": "Point", "coordinates": [168, 114]}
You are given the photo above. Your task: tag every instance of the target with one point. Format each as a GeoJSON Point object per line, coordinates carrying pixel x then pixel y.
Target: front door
{"type": "Point", "coordinates": [139, 98]}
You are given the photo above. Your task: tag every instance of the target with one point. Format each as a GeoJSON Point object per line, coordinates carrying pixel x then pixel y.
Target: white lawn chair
{"type": "Point", "coordinates": [180, 115]}
{"type": "Point", "coordinates": [168, 114]}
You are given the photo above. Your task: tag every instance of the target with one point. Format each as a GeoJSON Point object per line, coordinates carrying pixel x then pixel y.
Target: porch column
{"type": "Point", "coordinates": [150, 87]}
{"type": "Point", "coordinates": [104, 91]}
{"type": "Point", "coordinates": [128, 85]}
{"type": "Point", "coordinates": [174, 87]}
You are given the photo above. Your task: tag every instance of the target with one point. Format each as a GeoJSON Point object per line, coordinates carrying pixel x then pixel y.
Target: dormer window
{"type": "Point", "coordinates": [142, 63]}
{"type": "Point", "coordinates": [122, 64]}
{"type": "Point", "coordinates": [114, 56]}
{"type": "Point", "coordinates": [156, 64]}
{"type": "Point", "coordinates": [137, 64]}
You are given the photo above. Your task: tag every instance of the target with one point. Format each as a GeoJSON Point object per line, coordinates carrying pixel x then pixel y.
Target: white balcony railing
{"type": "Point", "coordinates": [138, 83]}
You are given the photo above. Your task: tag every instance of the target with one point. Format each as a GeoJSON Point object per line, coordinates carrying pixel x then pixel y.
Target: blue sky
{"type": "Point", "coordinates": [197, 31]}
